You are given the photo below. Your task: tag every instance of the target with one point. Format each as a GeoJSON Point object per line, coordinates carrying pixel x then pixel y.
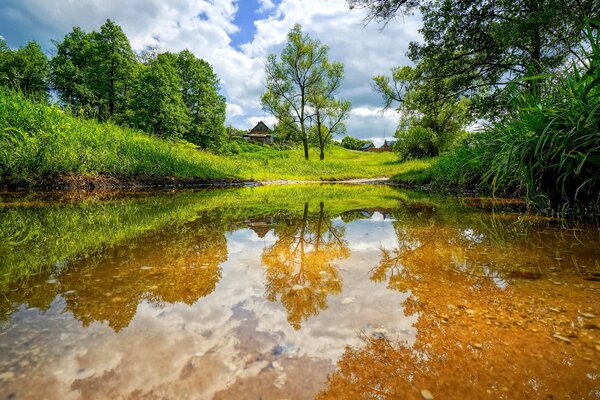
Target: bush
{"type": "Point", "coordinates": [546, 148]}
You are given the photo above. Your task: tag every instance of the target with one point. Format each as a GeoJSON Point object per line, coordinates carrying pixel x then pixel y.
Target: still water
{"type": "Point", "coordinates": [294, 292]}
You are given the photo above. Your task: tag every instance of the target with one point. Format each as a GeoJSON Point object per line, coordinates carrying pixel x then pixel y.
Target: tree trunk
{"type": "Point", "coordinates": [305, 143]}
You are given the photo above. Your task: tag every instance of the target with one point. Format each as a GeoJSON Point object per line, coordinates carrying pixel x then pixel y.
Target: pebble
{"type": "Point", "coordinates": [348, 300]}
{"type": "Point", "coordinates": [477, 346]}
{"type": "Point", "coordinates": [587, 315]}
{"type": "Point", "coordinates": [426, 394]}
{"type": "Point", "coordinates": [562, 338]}
{"type": "Point", "coordinates": [7, 376]}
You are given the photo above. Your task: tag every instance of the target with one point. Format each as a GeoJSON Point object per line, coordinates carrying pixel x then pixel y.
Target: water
{"type": "Point", "coordinates": [294, 292]}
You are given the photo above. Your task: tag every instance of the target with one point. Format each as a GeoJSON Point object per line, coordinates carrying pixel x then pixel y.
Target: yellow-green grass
{"type": "Point", "coordinates": [41, 144]}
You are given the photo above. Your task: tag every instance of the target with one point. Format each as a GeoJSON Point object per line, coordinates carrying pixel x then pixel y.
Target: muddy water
{"type": "Point", "coordinates": [294, 292]}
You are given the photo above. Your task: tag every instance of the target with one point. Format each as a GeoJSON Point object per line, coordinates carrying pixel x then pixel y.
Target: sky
{"type": "Point", "coordinates": [236, 36]}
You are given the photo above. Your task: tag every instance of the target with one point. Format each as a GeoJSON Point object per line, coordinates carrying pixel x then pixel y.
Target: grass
{"type": "Point", "coordinates": [546, 148]}
{"type": "Point", "coordinates": [41, 145]}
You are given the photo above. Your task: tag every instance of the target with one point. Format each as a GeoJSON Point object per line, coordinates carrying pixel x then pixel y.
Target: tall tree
{"type": "Point", "coordinates": [157, 104]}
{"type": "Point", "coordinates": [24, 69]}
{"type": "Point", "coordinates": [69, 69]}
{"type": "Point", "coordinates": [329, 112]}
{"type": "Point", "coordinates": [200, 93]}
{"type": "Point", "coordinates": [93, 72]}
{"type": "Point", "coordinates": [480, 45]}
{"type": "Point", "coordinates": [113, 63]}
{"type": "Point", "coordinates": [293, 79]}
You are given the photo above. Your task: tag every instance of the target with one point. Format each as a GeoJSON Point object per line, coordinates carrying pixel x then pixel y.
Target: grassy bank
{"type": "Point", "coordinates": [42, 145]}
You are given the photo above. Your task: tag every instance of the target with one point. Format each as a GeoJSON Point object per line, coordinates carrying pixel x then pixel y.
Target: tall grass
{"type": "Point", "coordinates": [546, 148]}
{"type": "Point", "coordinates": [41, 144]}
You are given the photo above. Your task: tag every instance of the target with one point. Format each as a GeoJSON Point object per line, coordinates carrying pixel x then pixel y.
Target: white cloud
{"type": "Point", "coordinates": [233, 110]}
{"type": "Point", "coordinates": [205, 26]}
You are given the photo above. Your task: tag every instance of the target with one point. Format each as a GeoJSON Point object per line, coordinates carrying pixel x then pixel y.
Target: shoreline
{"type": "Point", "coordinates": [101, 183]}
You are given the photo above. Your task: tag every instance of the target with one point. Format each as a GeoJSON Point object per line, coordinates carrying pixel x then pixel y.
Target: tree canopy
{"type": "Point", "coordinates": [24, 69]}
{"type": "Point", "coordinates": [299, 81]}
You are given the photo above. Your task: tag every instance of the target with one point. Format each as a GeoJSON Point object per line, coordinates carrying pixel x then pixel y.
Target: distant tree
{"type": "Point", "coordinates": [157, 104]}
{"type": "Point", "coordinates": [430, 121]}
{"type": "Point", "coordinates": [200, 93]}
{"type": "Point", "coordinates": [351, 143]}
{"type": "Point", "coordinates": [293, 79]}
{"type": "Point", "coordinates": [69, 71]}
{"type": "Point", "coordinates": [25, 69]}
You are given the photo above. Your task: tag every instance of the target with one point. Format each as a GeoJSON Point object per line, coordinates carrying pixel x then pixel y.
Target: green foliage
{"type": "Point", "coordinates": [352, 143]}
{"type": "Point", "coordinates": [431, 122]}
{"type": "Point", "coordinates": [40, 143]}
{"type": "Point", "coordinates": [297, 77]}
{"type": "Point", "coordinates": [93, 72]}
{"type": "Point", "coordinates": [479, 46]}
{"type": "Point", "coordinates": [547, 148]}
{"type": "Point", "coordinates": [157, 103]}
{"type": "Point", "coordinates": [200, 91]}
{"type": "Point", "coordinates": [25, 69]}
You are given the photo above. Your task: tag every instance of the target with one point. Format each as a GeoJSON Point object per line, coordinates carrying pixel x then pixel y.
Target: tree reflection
{"type": "Point", "coordinates": [300, 265]}
{"type": "Point", "coordinates": [479, 333]}
{"type": "Point", "coordinates": [178, 264]}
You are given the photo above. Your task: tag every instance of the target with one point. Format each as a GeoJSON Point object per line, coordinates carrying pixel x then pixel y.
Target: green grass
{"type": "Point", "coordinates": [41, 144]}
{"type": "Point", "coordinates": [545, 148]}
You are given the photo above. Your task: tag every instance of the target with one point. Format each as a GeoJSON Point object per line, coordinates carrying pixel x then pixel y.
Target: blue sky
{"type": "Point", "coordinates": [236, 36]}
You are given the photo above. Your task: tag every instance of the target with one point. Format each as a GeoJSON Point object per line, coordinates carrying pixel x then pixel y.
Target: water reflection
{"type": "Point", "coordinates": [300, 264]}
{"type": "Point", "coordinates": [263, 293]}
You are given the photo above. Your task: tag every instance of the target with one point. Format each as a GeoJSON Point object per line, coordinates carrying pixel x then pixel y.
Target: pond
{"type": "Point", "coordinates": [294, 292]}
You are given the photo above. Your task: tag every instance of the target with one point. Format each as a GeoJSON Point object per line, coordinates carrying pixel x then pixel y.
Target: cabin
{"type": "Point", "coordinates": [387, 146]}
{"type": "Point", "coordinates": [260, 134]}
{"type": "Point", "coordinates": [367, 147]}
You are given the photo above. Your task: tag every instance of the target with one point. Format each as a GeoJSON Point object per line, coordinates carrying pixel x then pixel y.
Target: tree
{"type": "Point", "coordinates": [293, 79]}
{"type": "Point", "coordinates": [200, 93]}
{"type": "Point", "coordinates": [352, 143]}
{"type": "Point", "coordinates": [112, 64]}
{"type": "Point", "coordinates": [329, 112]}
{"type": "Point", "coordinates": [479, 46]}
{"type": "Point", "coordinates": [157, 103]}
{"type": "Point", "coordinates": [329, 121]}
{"type": "Point", "coordinates": [93, 72]}
{"type": "Point", "coordinates": [430, 121]}
{"type": "Point", "coordinates": [25, 69]}
{"type": "Point", "coordinates": [69, 70]}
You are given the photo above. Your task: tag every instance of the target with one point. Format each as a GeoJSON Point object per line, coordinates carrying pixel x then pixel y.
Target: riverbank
{"type": "Point", "coordinates": [45, 148]}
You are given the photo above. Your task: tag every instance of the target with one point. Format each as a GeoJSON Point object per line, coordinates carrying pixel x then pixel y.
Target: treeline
{"type": "Point", "coordinates": [528, 71]}
{"type": "Point", "coordinates": [98, 75]}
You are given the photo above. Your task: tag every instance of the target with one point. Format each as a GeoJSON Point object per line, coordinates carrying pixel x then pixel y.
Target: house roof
{"type": "Point", "coordinates": [367, 146]}
{"type": "Point", "coordinates": [261, 127]}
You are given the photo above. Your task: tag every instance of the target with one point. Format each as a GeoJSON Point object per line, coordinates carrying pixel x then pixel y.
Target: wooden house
{"type": "Point", "coordinates": [260, 134]}
{"type": "Point", "coordinates": [387, 146]}
{"type": "Point", "coordinates": [367, 147]}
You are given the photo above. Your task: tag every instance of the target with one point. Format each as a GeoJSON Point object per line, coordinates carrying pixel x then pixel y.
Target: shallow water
{"type": "Point", "coordinates": [294, 292]}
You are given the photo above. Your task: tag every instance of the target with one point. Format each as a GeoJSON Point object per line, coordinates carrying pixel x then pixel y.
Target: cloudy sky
{"type": "Point", "coordinates": [235, 36]}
